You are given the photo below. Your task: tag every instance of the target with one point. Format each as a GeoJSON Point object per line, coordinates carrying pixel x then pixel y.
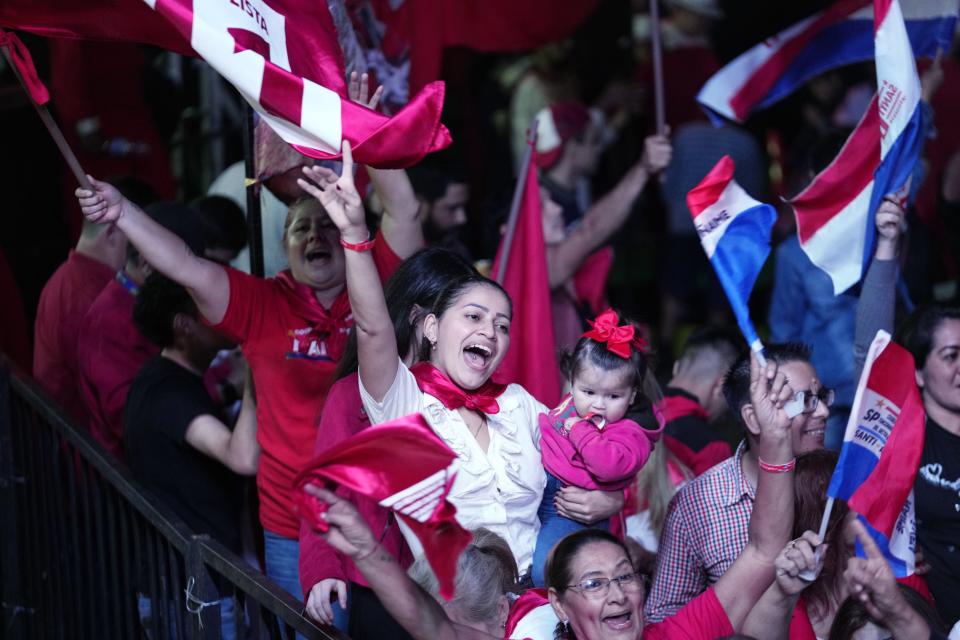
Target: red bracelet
{"type": "Point", "coordinates": [366, 245]}
{"type": "Point", "coordinates": [777, 468]}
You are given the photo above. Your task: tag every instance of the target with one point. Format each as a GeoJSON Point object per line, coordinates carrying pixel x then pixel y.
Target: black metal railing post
{"type": "Point", "coordinates": [12, 597]}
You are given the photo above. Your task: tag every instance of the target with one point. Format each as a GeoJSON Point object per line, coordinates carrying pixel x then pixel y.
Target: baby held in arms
{"type": "Point", "coordinates": [587, 441]}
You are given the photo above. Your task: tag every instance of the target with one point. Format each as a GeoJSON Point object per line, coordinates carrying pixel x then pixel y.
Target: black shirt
{"type": "Point", "coordinates": [937, 492]}
{"type": "Point", "coordinates": [162, 402]}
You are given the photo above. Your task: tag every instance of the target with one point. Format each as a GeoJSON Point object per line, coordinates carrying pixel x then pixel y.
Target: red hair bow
{"type": "Point", "coordinates": [620, 339]}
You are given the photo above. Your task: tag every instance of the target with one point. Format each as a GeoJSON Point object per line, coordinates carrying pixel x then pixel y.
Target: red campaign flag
{"type": "Point", "coordinates": [281, 55]}
{"type": "Point", "coordinates": [404, 466]}
{"type": "Point", "coordinates": [532, 358]}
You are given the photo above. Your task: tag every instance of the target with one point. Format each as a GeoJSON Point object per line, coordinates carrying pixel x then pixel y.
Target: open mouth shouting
{"type": "Point", "coordinates": [477, 355]}
{"type": "Point", "coordinates": [316, 256]}
{"type": "Point", "coordinates": [620, 621]}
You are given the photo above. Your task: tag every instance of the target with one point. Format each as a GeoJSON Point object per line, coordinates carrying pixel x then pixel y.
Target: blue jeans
{"type": "Point", "coordinates": [553, 528]}
{"type": "Point", "coordinates": [282, 557]}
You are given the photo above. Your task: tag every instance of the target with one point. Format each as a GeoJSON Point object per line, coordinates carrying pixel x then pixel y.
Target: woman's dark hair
{"type": "Point", "coordinates": [811, 479]}
{"type": "Point", "coordinates": [918, 331]}
{"type": "Point", "coordinates": [452, 292]}
{"type": "Point", "coordinates": [156, 307]}
{"type": "Point", "coordinates": [853, 616]}
{"type": "Point", "coordinates": [410, 293]}
{"type": "Point", "coordinates": [589, 351]}
{"type": "Point", "coordinates": [557, 573]}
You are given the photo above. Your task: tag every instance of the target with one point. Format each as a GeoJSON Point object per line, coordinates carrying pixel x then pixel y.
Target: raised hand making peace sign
{"type": "Point", "coordinates": [339, 196]}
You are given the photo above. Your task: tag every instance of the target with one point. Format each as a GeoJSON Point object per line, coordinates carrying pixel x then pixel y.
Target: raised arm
{"type": "Point", "coordinates": [410, 606]}
{"type": "Point", "coordinates": [400, 225]}
{"type": "Point", "coordinates": [871, 581]}
{"type": "Point", "coordinates": [608, 214]}
{"type": "Point", "coordinates": [376, 342]}
{"type": "Point", "coordinates": [206, 281]}
{"type": "Point", "coordinates": [770, 618]}
{"type": "Point", "coordinates": [772, 519]}
{"type": "Point", "coordinates": [878, 296]}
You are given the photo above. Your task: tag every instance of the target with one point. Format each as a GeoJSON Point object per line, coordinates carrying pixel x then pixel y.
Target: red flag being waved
{"type": "Point", "coordinates": [281, 55]}
{"type": "Point", "coordinates": [532, 359]}
{"type": "Point", "coordinates": [404, 466]}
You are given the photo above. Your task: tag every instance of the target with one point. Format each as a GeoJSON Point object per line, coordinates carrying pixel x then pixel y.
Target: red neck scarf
{"type": "Point", "coordinates": [679, 406]}
{"type": "Point", "coordinates": [432, 381]}
{"type": "Point", "coordinates": [330, 326]}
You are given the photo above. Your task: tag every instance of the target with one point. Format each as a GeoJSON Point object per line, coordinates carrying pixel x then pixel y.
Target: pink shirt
{"type": "Point", "coordinates": [590, 457]}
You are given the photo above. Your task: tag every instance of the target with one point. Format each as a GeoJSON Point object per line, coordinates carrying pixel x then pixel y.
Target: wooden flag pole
{"type": "Point", "coordinates": [47, 118]}
{"type": "Point", "coordinates": [253, 186]}
{"type": "Point", "coordinates": [517, 201]}
{"type": "Point", "coordinates": [657, 60]}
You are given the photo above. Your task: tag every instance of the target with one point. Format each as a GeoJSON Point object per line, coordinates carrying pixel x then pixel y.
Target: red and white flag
{"type": "Point", "coordinates": [406, 467]}
{"type": "Point", "coordinates": [282, 56]}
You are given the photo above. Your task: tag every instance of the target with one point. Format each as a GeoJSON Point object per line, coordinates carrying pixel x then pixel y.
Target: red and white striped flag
{"type": "Point", "coordinates": [281, 55]}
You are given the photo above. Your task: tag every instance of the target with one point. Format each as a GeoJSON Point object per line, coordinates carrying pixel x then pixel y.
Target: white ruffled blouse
{"type": "Point", "coordinates": [499, 489]}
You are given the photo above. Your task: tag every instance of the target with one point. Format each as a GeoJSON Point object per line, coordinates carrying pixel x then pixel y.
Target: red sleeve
{"type": "Point", "coordinates": [703, 618]}
{"type": "Point", "coordinates": [383, 256]}
{"type": "Point", "coordinates": [318, 560]}
{"type": "Point", "coordinates": [249, 300]}
{"type": "Point", "coordinates": [613, 453]}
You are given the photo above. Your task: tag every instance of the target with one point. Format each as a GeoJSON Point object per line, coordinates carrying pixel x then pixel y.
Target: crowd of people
{"type": "Point", "coordinates": [624, 511]}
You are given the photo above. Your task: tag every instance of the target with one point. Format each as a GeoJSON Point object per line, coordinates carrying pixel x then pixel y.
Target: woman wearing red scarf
{"type": "Point", "coordinates": [492, 428]}
{"type": "Point", "coordinates": [292, 330]}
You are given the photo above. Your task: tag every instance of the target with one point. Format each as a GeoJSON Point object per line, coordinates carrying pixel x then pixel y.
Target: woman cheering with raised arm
{"type": "Point", "coordinates": [292, 330]}
{"type": "Point", "coordinates": [491, 427]}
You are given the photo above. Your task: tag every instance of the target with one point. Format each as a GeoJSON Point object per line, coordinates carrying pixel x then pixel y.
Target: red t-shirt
{"type": "Point", "coordinates": [65, 300]}
{"type": "Point", "coordinates": [110, 352]}
{"type": "Point", "coordinates": [290, 390]}
{"type": "Point", "coordinates": [703, 618]}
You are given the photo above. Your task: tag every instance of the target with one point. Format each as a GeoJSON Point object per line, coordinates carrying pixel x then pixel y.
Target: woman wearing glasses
{"type": "Point", "coordinates": [593, 587]}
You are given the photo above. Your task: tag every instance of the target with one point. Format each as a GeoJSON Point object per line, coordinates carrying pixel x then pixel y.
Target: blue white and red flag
{"type": "Point", "coordinates": [734, 230]}
{"type": "Point", "coordinates": [881, 452]}
{"type": "Point", "coordinates": [840, 35]}
{"type": "Point", "coordinates": [835, 212]}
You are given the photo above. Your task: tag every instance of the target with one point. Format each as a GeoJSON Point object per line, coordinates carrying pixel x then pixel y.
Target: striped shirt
{"type": "Point", "coordinates": [705, 530]}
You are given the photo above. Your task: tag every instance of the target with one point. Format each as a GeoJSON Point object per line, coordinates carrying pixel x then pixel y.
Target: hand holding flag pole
{"type": "Point", "coordinates": [18, 57]}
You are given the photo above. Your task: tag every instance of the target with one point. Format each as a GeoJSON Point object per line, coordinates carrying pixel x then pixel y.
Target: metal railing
{"type": "Point", "coordinates": [85, 552]}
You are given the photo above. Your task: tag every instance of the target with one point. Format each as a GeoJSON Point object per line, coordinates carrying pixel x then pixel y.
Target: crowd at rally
{"type": "Point", "coordinates": [620, 512]}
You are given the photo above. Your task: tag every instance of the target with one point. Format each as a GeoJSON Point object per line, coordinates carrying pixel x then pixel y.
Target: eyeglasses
{"type": "Point", "coordinates": [807, 401]}
{"type": "Point", "coordinates": [597, 588]}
